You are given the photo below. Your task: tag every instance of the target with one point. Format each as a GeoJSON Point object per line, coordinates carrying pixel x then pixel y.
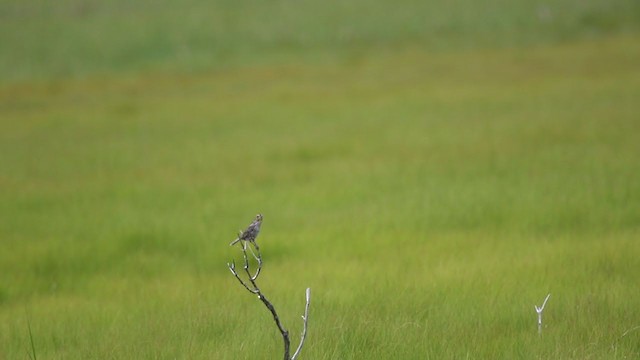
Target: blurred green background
{"type": "Point", "coordinates": [71, 38]}
{"type": "Point", "coordinates": [430, 169]}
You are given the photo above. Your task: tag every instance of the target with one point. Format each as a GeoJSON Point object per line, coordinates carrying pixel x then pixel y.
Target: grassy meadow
{"type": "Point", "coordinates": [431, 171]}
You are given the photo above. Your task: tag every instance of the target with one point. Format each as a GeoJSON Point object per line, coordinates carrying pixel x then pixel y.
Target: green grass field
{"type": "Point", "coordinates": [430, 170]}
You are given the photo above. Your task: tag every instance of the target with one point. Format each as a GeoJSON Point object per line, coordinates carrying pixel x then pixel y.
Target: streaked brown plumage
{"type": "Point", "coordinates": [252, 231]}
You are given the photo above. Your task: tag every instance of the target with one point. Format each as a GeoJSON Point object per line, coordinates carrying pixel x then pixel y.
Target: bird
{"type": "Point", "coordinates": [251, 233]}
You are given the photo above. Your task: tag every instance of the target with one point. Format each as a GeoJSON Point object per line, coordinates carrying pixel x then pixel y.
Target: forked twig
{"type": "Point", "coordinates": [232, 267]}
{"type": "Point", "coordinates": [539, 311]}
{"type": "Point", "coordinates": [253, 288]}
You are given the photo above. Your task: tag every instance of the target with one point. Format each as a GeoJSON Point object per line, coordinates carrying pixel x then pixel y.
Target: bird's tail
{"type": "Point", "coordinates": [234, 242]}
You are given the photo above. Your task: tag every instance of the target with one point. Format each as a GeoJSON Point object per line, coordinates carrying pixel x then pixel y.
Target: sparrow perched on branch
{"type": "Point", "coordinates": [251, 233]}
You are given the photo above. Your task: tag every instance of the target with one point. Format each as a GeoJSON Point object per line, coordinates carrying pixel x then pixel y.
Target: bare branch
{"type": "Point", "coordinates": [255, 289]}
{"type": "Point", "coordinates": [283, 331]}
{"type": "Point", "coordinates": [252, 287]}
{"type": "Point", "coordinates": [232, 268]}
{"type": "Point", "coordinates": [258, 259]}
{"type": "Point", "coordinates": [545, 301]}
{"type": "Point", "coordinates": [305, 319]}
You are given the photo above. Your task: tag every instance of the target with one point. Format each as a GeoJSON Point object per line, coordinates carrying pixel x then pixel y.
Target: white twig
{"type": "Point", "coordinates": [305, 319]}
{"type": "Point", "coordinates": [539, 311]}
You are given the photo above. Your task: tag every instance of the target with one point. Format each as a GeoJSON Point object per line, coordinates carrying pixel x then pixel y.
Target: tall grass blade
{"type": "Point", "coordinates": [33, 346]}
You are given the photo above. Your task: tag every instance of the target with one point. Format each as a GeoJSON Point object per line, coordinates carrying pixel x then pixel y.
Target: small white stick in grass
{"type": "Point", "coordinates": [539, 311]}
{"type": "Point", "coordinates": [305, 319]}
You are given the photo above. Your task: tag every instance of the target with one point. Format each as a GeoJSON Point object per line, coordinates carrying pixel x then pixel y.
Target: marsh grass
{"type": "Point", "coordinates": [73, 38]}
{"type": "Point", "coordinates": [429, 198]}
{"type": "Point", "coordinates": [32, 354]}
